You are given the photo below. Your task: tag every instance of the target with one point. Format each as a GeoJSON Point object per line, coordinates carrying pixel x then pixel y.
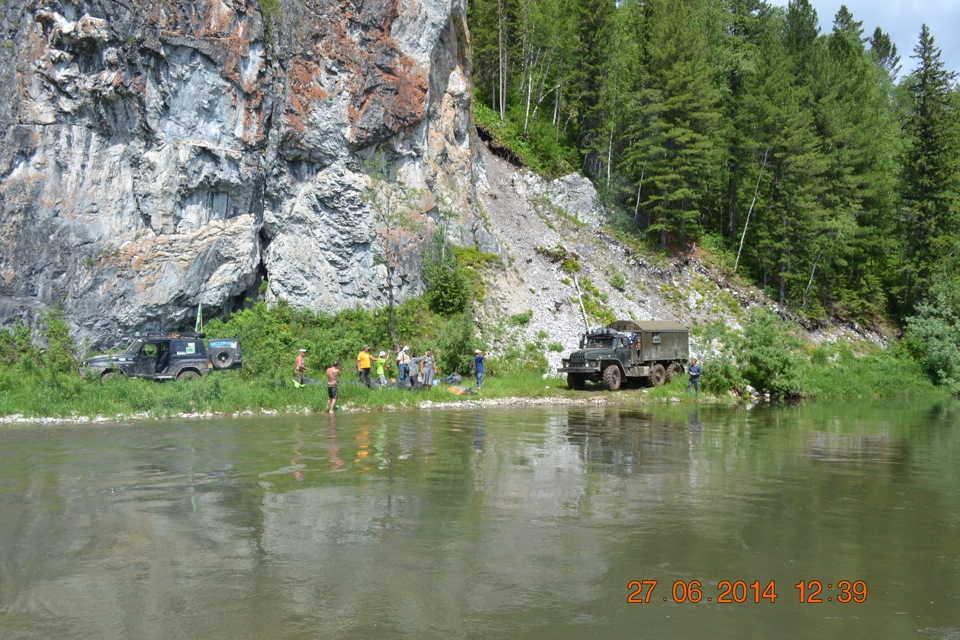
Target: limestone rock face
{"type": "Point", "coordinates": [156, 155]}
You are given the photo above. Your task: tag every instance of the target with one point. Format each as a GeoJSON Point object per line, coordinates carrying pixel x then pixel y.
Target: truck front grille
{"type": "Point", "coordinates": [577, 360]}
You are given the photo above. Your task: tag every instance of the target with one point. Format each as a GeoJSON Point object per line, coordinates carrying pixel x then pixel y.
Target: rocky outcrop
{"type": "Point", "coordinates": [157, 155]}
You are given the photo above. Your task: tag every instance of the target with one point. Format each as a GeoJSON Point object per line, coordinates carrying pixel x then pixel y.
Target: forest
{"type": "Point", "coordinates": [822, 158]}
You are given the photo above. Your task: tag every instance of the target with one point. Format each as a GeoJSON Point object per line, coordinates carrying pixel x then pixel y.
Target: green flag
{"type": "Point", "coordinates": [199, 326]}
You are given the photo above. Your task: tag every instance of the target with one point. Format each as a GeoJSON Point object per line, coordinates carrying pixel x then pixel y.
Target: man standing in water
{"type": "Point", "coordinates": [333, 377]}
{"type": "Point", "coordinates": [695, 371]}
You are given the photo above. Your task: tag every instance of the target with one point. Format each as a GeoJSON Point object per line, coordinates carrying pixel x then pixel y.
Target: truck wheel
{"type": "Point", "coordinates": [575, 381]}
{"type": "Point", "coordinates": [187, 376]}
{"type": "Point", "coordinates": [611, 377]}
{"type": "Point", "coordinates": [657, 375]}
{"type": "Point", "coordinates": [673, 371]}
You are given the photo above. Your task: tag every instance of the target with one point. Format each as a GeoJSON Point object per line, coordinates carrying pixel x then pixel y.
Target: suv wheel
{"type": "Point", "coordinates": [222, 358]}
{"type": "Point", "coordinates": [188, 375]}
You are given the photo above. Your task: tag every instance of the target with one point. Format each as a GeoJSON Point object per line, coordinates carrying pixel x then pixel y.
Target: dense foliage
{"type": "Point", "coordinates": [832, 177]}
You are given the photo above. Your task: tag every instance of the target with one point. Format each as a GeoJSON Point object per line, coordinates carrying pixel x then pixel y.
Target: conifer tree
{"type": "Point", "coordinates": [590, 78]}
{"type": "Point", "coordinates": [677, 119]}
{"type": "Point", "coordinates": [884, 52]}
{"type": "Point", "coordinates": [930, 217]}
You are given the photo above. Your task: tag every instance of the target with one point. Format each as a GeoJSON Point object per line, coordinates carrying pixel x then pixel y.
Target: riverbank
{"type": "Point", "coordinates": [120, 400]}
{"type": "Point", "coordinates": [63, 399]}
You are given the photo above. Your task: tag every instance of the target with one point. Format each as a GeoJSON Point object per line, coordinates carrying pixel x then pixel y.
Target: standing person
{"type": "Point", "coordinates": [695, 371]}
{"type": "Point", "coordinates": [382, 365]}
{"type": "Point", "coordinates": [478, 363]}
{"type": "Point", "coordinates": [403, 365]}
{"type": "Point", "coordinates": [363, 365]}
{"type": "Point", "coordinates": [300, 366]}
{"type": "Point", "coordinates": [414, 370]}
{"type": "Point", "coordinates": [333, 378]}
{"type": "Point", "coordinates": [428, 369]}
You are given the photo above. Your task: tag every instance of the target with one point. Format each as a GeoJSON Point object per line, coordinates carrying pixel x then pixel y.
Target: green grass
{"type": "Point", "coordinates": [226, 393]}
{"type": "Point", "coordinates": [875, 375]}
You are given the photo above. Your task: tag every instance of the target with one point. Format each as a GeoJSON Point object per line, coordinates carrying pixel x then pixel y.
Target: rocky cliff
{"type": "Point", "coordinates": [161, 154]}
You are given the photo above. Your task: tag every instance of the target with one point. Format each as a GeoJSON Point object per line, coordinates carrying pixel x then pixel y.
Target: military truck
{"type": "Point", "coordinates": [166, 356]}
{"type": "Point", "coordinates": [652, 352]}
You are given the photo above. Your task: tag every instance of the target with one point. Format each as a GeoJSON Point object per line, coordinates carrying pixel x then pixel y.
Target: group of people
{"type": "Point", "coordinates": [411, 368]}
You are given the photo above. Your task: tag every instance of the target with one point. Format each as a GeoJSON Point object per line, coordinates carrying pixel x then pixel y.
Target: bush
{"type": "Point", "coordinates": [448, 291]}
{"type": "Point", "coordinates": [932, 334]}
{"type": "Point", "coordinates": [768, 356]}
{"type": "Point", "coordinates": [721, 371]}
{"type": "Point", "coordinates": [520, 319]}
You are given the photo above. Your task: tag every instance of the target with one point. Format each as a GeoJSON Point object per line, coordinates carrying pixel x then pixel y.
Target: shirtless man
{"type": "Point", "coordinates": [333, 376]}
{"type": "Point", "coordinates": [300, 366]}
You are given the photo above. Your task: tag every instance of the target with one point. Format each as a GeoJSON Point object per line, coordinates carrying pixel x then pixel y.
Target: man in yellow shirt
{"type": "Point", "coordinates": [363, 365]}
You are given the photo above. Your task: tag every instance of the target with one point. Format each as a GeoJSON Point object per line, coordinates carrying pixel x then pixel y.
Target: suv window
{"type": "Point", "coordinates": [188, 348]}
{"type": "Point", "coordinates": [149, 350]}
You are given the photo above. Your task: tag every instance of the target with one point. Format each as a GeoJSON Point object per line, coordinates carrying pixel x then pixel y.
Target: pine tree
{"type": "Point", "coordinates": [790, 211]}
{"type": "Point", "coordinates": [590, 78]}
{"type": "Point", "coordinates": [855, 124]}
{"type": "Point", "coordinates": [884, 52]}
{"type": "Point", "coordinates": [931, 202]}
{"type": "Point", "coordinates": [677, 119]}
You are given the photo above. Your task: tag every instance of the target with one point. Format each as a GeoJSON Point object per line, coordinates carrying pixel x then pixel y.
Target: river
{"type": "Point", "coordinates": [490, 523]}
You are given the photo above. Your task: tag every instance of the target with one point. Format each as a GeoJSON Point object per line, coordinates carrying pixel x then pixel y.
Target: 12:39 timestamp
{"type": "Point", "coordinates": [813, 592]}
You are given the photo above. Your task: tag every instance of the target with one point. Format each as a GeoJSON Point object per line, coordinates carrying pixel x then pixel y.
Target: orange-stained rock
{"type": "Point", "coordinates": [168, 153]}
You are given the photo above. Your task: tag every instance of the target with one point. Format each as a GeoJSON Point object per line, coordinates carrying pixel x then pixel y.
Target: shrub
{"type": "Point", "coordinates": [520, 319]}
{"type": "Point", "coordinates": [932, 334]}
{"type": "Point", "coordinates": [448, 291]}
{"type": "Point", "coordinates": [768, 355]}
{"type": "Point", "coordinates": [618, 281]}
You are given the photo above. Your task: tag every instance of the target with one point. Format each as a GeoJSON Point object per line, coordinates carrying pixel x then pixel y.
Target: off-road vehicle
{"type": "Point", "coordinates": [166, 356]}
{"type": "Point", "coordinates": [653, 352]}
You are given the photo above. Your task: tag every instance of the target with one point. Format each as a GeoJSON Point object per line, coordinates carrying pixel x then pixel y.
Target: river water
{"type": "Point", "coordinates": [493, 523]}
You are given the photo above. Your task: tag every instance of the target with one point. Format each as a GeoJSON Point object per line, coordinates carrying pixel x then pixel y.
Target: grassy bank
{"type": "Point", "coordinates": [768, 356]}
{"type": "Point", "coordinates": [229, 393]}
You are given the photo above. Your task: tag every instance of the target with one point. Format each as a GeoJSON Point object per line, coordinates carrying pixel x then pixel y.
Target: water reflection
{"type": "Point", "coordinates": [512, 523]}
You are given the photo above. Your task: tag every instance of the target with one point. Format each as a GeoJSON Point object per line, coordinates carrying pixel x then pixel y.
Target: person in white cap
{"type": "Point", "coordinates": [478, 363]}
{"type": "Point", "coordinates": [382, 365]}
{"type": "Point", "coordinates": [300, 367]}
{"type": "Point", "coordinates": [403, 364]}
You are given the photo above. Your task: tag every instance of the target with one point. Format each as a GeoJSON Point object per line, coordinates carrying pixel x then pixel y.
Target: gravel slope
{"type": "Point", "coordinates": [525, 213]}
